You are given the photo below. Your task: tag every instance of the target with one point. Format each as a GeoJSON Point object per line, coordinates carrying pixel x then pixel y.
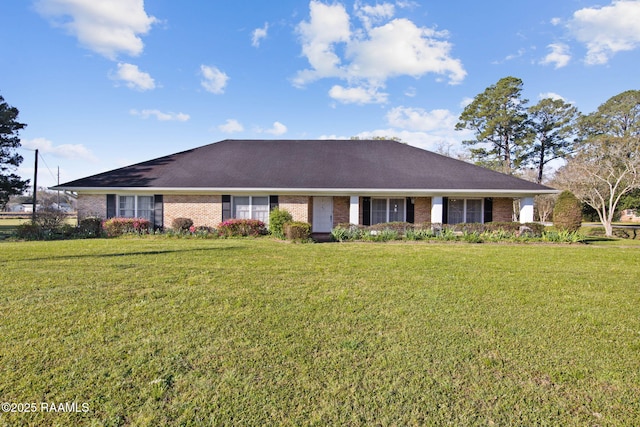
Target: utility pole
{"type": "Point", "coordinates": [35, 189]}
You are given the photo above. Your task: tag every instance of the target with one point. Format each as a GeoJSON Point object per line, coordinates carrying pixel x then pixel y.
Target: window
{"type": "Point", "coordinates": [251, 207]}
{"type": "Point", "coordinates": [465, 210]}
{"type": "Point", "coordinates": [387, 210]}
{"type": "Point", "coordinates": [136, 207]}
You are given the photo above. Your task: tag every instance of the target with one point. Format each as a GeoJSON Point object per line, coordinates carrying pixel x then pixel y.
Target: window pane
{"type": "Point", "coordinates": [396, 210]}
{"type": "Point", "coordinates": [127, 206]}
{"type": "Point", "coordinates": [456, 211]}
{"type": "Point", "coordinates": [145, 207]}
{"type": "Point", "coordinates": [260, 209]}
{"type": "Point", "coordinates": [241, 208]}
{"type": "Point", "coordinates": [474, 210]}
{"type": "Point", "coordinates": [378, 211]}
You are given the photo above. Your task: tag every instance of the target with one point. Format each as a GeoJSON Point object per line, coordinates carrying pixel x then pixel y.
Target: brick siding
{"type": "Point", "coordinates": [422, 210]}
{"type": "Point", "coordinates": [341, 206]}
{"type": "Point", "coordinates": [203, 210]}
{"type": "Point", "coordinates": [92, 205]}
{"type": "Point", "coordinates": [502, 210]}
{"type": "Point", "coordinates": [297, 206]}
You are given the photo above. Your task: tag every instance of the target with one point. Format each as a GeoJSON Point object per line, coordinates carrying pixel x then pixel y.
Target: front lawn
{"type": "Point", "coordinates": [258, 332]}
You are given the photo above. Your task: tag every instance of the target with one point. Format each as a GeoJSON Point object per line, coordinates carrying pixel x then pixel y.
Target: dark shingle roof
{"type": "Point", "coordinates": [304, 164]}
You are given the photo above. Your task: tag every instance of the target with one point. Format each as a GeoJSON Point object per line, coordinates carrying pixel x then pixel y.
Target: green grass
{"type": "Point", "coordinates": [8, 226]}
{"type": "Point", "coordinates": [258, 332]}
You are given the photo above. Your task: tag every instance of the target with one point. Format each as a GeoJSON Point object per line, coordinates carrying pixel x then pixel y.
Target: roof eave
{"type": "Point", "coordinates": [432, 192]}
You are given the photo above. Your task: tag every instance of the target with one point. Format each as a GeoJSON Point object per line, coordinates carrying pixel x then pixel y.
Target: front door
{"type": "Point", "coordinates": [322, 214]}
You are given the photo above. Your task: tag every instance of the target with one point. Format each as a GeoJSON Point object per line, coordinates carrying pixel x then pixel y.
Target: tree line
{"type": "Point", "coordinates": [601, 149]}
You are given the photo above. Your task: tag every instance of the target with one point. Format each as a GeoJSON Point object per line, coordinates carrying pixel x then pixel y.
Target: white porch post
{"type": "Point", "coordinates": [436, 210]}
{"type": "Point", "coordinates": [354, 209]}
{"type": "Point", "coordinates": [526, 210]}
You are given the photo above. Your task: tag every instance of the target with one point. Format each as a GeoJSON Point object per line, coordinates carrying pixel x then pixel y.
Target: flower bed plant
{"type": "Point", "coordinates": [241, 228]}
{"type": "Point", "coordinates": [466, 232]}
{"type": "Point", "coordinates": [115, 227]}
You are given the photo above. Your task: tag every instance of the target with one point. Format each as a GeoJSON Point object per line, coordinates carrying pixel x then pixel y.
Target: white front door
{"type": "Point", "coordinates": [322, 214]}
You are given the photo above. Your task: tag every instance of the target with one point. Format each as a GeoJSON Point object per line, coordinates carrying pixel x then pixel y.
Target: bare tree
{"type": "Point", "coordinates": [600, 178]}
{"type": "Point", "coordinates": [606, 164]}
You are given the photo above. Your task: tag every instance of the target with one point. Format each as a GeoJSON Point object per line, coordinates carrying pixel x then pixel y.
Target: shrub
{"type": "Point", "coordinates": [567, 213]}
{"type": "Point", "coordinates": [299, 231]}
{"type": "Point", "coordinates": [115, 227]}
{"type": "Point", "coordinates": [49, 220]}
{"type": "Point", "coordinates": [277, 219]}
{"type": "Point", "coordinates": [181, 224]}
{"type": "Point", "coordinates": [28, 231]}
{"type": "Point", "coordinates": [241, 228]}
{"type": "Point", "coordinates": [90, 227]}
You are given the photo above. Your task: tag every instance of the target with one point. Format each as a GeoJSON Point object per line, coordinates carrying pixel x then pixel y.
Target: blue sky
{"type": "Point", "coordinates": [110, 83]}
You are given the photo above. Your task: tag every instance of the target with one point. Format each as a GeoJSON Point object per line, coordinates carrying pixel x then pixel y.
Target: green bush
{"type": "Point", "coordinates": [241, 228]}
{"type": "Point", "coordinates": [181, 224]}
{"type": "Point", "coordinates": [298, 231]}
{"type": "Point", "coordinates": [277, 219]}
{"type": "Point", "coordinates": [115, 227]}
{"type": "Point", "coordinates": [28, 231]}
{"type": "Point", "coordinates": [567, 213]}
{"type": "Point", "coordinates": [89, 227]}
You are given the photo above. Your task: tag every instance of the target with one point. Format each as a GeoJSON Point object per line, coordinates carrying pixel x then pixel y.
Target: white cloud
{"type": "Point", "coordinates": [465, 101]}
{"type": "Point", "coordinates": [417, 119]}
{"type": "Point", "coordinates": [259, 34]}
{"type": "Point", "coordinates": [357, 95]}
{"type": "Point", "coordinates": [231, 126]}
{"type": "Point", "coordinates": [214, 80]}
{"type": "Point", "coordinates": [108, 27]}
{"type": "Point", "coordinates": [328, 25]}
{"type": "Point", "coordinates": [607, 30]}
{"type": "Point", "coordinates": [66, 151]}
{"type": "Point", "coordinates": [133, 77]}
{"type": "Point", "coordinates": [551, 95]}
{"type": "Point", "coordinates": [559, 55]}
{"type": "Point", "coordinates": [370, 15]}
{"type": "Point", "coordinates": [431, 130]}
{"type": "Point", "coordinates": [384, 48]}
{"type": "Point", "coordinates": [277, 129]}
{"type": "Point", "coordinates": [159, 115]}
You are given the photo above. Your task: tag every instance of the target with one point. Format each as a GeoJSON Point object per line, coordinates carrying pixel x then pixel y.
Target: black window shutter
{"type": "Point", "coordinates": [411, 208]}
{"type": "Point", "coordinates": [111, 206]}
{"type": "Point", "coordinates": [158, 212]}
{"type": "Point", "coordinates": [366, 211]}
{"type": "Point", "coordinates": [445, 210]}
{"type": "Point", "coordinates": [273, 202]}
{"type": "Point", "coordinates": [488, 209]}
{"type": "Point", "coordinates": [226, 207]}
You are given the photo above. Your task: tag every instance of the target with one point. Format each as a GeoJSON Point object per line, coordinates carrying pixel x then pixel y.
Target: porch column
{"type": "Point", "coordinates": [436, 210]}
{"type": "Point", "coordinates": [526, 210]}
{"type": "Point", "coordinates": [354, 209]}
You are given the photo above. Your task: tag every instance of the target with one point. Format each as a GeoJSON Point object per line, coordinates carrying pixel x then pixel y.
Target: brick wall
{"type": "Point", "coordinates": [203, 210]}
{"type": "Point", "coordinates": [502, 210]}
{"type": "Point", "coordinates": [92, 205]}
{"type": "Point", "coordinates": [297, 206]}
{"type": "Point", "coordinates": [422, 210]}
{"type": "Point", "coordinates": [341, 206]}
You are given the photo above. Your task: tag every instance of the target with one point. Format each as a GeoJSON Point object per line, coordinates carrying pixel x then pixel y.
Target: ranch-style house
{"type": "Point", "coordinates": [322, 182]}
